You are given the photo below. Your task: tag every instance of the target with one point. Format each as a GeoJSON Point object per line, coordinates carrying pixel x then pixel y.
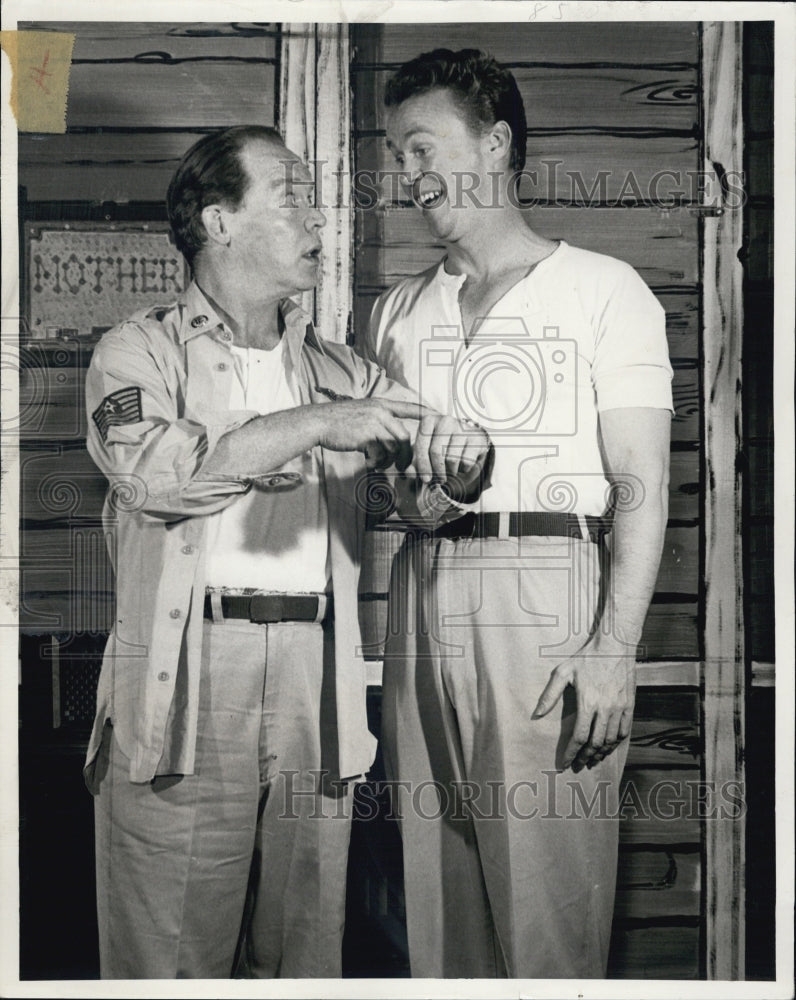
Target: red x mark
{"type": "Point", "coordinates": [38, 75]}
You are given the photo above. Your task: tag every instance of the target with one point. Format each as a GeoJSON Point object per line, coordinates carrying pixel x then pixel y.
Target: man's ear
{"type": "Point", "coordinates": [214, 219]}
{"type": "Point", "coordinates": [498, 141]}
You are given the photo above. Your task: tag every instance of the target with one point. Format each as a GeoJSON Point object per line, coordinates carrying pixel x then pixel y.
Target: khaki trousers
{"type": "Point", "coordinates": [240, 868]}
{"type": "Point", "coordinates": [510, 862]}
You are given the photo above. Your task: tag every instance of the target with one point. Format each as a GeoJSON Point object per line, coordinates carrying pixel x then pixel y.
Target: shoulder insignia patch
{"type": "Point", "coordinates": [120, 407]}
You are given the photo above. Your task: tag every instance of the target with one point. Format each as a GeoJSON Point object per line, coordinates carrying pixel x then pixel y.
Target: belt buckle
{"type": "Point", "coordinates": [266, 609]}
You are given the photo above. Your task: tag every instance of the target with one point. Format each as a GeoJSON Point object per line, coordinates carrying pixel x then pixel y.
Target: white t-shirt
{"type": "Point", "coordinates": [268, 539]}
{"type": "Point", "coordinates": [579, 334]}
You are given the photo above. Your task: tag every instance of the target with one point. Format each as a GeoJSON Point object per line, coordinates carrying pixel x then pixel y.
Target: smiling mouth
{"type": "Point", "coordinates": [431, 197]}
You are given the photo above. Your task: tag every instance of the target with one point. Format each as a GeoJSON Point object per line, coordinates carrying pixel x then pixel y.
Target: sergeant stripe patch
{"type": "Point", "coordinates": [120, 407]}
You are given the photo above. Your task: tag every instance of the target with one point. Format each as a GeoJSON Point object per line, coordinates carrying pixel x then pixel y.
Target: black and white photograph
{"type": "Point", "coordinates": [397, 499]}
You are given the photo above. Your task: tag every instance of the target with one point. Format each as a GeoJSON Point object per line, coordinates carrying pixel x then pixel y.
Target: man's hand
{"type": "Point", "coordinates": [452, 452]}
{"type": "Point", "coordinates": [373, 426]}
{"type": "Point", "coordinates": [605, 687]}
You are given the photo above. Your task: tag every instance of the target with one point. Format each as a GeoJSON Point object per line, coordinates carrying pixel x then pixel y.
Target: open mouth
{"type": "Point", "coordinates": [428, 192]}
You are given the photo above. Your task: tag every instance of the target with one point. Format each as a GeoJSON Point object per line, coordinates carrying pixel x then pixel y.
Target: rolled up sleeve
{"type": "Point", "coordinates": [148, 448]}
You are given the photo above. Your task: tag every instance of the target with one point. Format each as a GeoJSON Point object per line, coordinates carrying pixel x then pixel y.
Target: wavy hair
{"type": "Point", "coordinates": [485, 91]}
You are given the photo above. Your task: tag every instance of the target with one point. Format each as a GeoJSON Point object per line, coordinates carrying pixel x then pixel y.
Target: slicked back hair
{"type": "Point", "coordinates": [211, 172]}
{"type": "Point", "coordinates": [485, 91]}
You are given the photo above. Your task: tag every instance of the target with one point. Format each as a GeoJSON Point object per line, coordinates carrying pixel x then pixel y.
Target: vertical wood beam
{"type": "Point", "coordinates": [724, 666]}
{"type": "Point", "coordinates": [297, 88]}
{"type": "Point", "coordinates": [297, 103]}
{"type": "Point", "coordinates": [333, 180]}
{"type": "Point", "coordinates": [315, 121]}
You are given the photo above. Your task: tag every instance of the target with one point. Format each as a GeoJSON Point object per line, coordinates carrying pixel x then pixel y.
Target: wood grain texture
{"type": "Point", "coordinates": [199, 93]}
{"type": "Point", "coordinates": [724, 638]}
{"type": "Point", "coordinates": [662, 246]}
{"type": "Point", "coordinates": [61, 599]}
{"type": "Point", "coordinates": [140, 77]}
{"type": "Point", "coordinates": [98, 41]}
{"type": "Point", "coordinates": [157, 75]}
{"type": "Point", "coordinates": [58, 484]}
{"type": "Point", "coordinates": [682, 323]}
{"type": "Point", "coordinates": [639, 952]}
{"type": "Point", "coordinates": [663, 742]}
{"type": "Point", "coordinates": [656, 806]}
{"type": "Point", "coordinates": [671, 632]}
{"type": "Point", "coordinates": [332, 155]}
{"type": "Point", "coordinates": [296, 113]}
{"type": "Point", "coordinates": [658, 884]}
{"type": "Point", "coordinates": [668, 673]}
{"type": "Point", "coordinates": [679, 569]}
{"type": "Point", "coordinates": [511, 41]}
{"type": "Point", "coordinates": [647, 101]}
{"type": "Point", "coordinates": [315, 60]}
{"type": "Point", "coordinates": [52, 403]}
{"type": "Point", "coordinates": [99, 167]}
{"type": "Point", "coordinates": [686, 399]}
{"type": "Point", "coordinates": [684, 485]}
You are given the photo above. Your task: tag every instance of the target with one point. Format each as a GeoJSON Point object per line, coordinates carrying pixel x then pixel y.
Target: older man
{"type": "Point", "coordinates": [509, 679]}
{"type": "Point", "coordinates": [231, 703]}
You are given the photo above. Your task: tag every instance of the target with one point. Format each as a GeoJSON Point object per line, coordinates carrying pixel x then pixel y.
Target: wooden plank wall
{"type": "Point", "coordinates": [139, 96]}
{"type": "Point", "coordinates": [591, 108]}
{"type": "Point", "coordinates": [614, 99]}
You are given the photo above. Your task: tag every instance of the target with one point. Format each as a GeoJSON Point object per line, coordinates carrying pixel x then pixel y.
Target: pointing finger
{"type": "Point", "coordinates": [404, 409]}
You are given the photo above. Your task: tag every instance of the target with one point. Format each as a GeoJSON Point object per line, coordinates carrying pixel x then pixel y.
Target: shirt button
{"type": "Point", "coordinates": [187, 550]}
{"type": "Point", "coordinates": [175, 613]}
{"type": "Point", "coordinates": [226, 335]}
{"type": "Point", "coordinates": [163, 676]}
{"type": "Point", "coordinates": [198, 321]}
{"type": "Point", "coordinates": [221, 367]}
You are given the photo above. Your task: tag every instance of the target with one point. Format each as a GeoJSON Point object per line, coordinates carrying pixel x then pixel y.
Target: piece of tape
{"type": "Point", "coordinates": [40, 63]}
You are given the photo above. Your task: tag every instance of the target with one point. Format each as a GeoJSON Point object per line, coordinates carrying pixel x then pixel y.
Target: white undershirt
{"type": "Point", "coordinates": [581, 333]}
{"type": "Point", "coordinates": [271, 539]}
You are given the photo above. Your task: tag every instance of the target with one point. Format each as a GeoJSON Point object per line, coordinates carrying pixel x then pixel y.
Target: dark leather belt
{"type": "Point", "coordinates": [521, 523]}
{"type": "Point", "coordinates": [268, 609]}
